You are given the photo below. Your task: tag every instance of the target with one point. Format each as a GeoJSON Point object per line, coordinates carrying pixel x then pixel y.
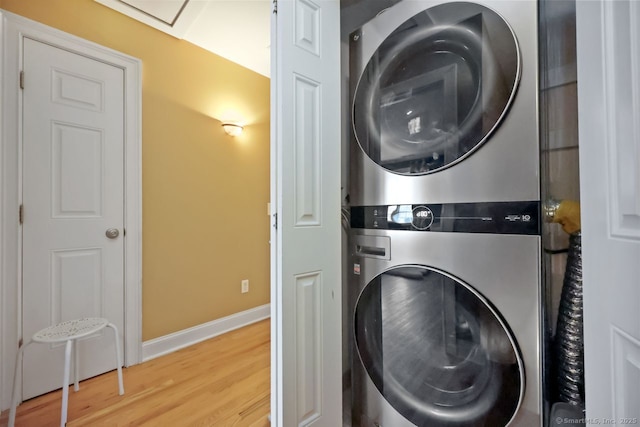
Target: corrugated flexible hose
{"type": "Point", "coordinates": [569, 342]}
{"type": "Point", "coordinates": [569, 339]}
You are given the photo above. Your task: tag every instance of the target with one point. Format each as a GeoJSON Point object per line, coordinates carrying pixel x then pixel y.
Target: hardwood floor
{"type": "Point", "coordinates": [224, 381]}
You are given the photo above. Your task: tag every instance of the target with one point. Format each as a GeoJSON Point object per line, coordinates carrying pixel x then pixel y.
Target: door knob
{"type": "Point", "coordinates": [112, 233]}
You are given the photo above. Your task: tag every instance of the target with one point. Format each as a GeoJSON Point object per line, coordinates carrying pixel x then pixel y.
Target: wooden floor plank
{"type": "Point", "coordinates": [224, 381]}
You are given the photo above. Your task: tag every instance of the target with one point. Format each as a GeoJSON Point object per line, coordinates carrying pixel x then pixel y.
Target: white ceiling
{"type": "Point", "coordinates": [238, 30]}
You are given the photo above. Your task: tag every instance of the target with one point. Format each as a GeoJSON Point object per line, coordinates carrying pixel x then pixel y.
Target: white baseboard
{"type": "Point", "coordinates": [169, 343]}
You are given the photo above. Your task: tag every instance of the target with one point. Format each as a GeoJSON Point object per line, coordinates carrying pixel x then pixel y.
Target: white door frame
{"type": "Point", "coordinates": [13, 29]}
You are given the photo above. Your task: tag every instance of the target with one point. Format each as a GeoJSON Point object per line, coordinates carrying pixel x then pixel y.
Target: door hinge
{"type": "Point", "coordinates": [274, 7]}
{"type": "Point", "coordinates": [21, 214]}
{"type": "Point", "coordinates": [20, 342]}
{"type": "Point", "coordinates": [275, 221]}
{"type": "Point", "coordinates": [21, 79]}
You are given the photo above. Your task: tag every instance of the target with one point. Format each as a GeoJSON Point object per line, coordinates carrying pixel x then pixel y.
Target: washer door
{"type": "Point", "coordinates": [436, 350]}
{"type": "Point", "coordinates": [436, 88]}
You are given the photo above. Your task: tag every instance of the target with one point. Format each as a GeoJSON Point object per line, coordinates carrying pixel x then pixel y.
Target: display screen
{"type": "Point", "coordinates": [488, 217]}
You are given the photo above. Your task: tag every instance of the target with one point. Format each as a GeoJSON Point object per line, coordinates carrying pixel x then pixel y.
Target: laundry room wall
{"type": "Point", "coordinates": [205, 194]}
{"type": "Point", "coordinates": [559, 161]}
{"type": "Point", "coordinates": [559, 133]}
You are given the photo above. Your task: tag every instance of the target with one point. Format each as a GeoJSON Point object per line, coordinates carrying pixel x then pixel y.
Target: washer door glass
{"type": "Point", "coordinates": [436, 350]}
{"type": "Point", "coordinates": [436, 88]}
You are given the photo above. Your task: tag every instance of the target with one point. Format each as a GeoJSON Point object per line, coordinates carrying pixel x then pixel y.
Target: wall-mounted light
{"type": "Point", "coordinates": [232, 129]}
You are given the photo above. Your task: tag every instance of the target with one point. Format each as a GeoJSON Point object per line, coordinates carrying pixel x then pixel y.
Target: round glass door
{"type": "Point", "coordinates": [436, 88]}
{"type": "Point", "coordinates": [436, 350]}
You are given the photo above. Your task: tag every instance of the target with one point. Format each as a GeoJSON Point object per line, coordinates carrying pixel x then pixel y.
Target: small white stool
{"type": "Point", "coordinates": [68, 331]}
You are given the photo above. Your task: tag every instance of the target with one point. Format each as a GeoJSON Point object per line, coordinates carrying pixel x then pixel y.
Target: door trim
{"type": "Point", "coordinates": [13, 29]}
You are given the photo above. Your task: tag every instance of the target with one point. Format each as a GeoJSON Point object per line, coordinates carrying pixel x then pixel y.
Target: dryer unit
{"type": "Point", "coordinates": [443, 99]}
{"type": "Point", "coordinates": [444, 325]}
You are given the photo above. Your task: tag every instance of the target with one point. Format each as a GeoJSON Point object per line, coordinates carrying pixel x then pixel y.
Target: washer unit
{"type": "Point", "coordinates": [444, 104]}
{"type": "Point", "coordinates": [445, 326]}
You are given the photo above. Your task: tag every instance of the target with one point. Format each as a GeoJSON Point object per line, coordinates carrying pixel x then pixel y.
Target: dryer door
{"type": "Point", "coordinates": [436, 88]}
{"type": "Point", "coordinates": [436, 350]}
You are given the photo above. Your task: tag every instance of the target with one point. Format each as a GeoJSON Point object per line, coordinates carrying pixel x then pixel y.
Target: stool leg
{"type": "Point", "coordinates": [65, 383]}
{"type": "Point", "coordinates": [14, 396]}
{"type": "Point", "coordinates": [76, 366]}
{"type": "Point", "coordinates": [117, 338]}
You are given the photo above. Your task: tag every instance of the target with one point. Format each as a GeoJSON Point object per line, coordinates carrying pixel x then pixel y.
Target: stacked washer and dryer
{"type": "Point", "coordinates": [444, 299]}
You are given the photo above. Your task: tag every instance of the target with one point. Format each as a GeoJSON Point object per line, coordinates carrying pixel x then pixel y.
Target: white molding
{"type": "Point", "coordinates": [169, 343]}
{"type": "Point", "coordinates": [622, 54]}
{"type": "Point", "coordinates": [625, 367]}
{"type": "Point", "coordinates": [14, 29]}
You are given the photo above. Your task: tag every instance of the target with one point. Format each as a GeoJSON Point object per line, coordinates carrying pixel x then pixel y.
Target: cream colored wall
{"type": "Point", "coordinates": [205, 194]}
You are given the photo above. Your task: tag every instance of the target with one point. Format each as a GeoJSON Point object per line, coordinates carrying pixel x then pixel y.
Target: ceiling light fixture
{"type": "Point", "coordinates": [232, 129]}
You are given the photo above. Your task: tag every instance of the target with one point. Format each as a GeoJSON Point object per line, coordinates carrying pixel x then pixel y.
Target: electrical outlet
{"type": "Point", "coordinates": [244, 286]}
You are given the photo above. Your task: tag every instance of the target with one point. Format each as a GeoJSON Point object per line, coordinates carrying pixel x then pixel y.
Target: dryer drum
{"type": "Point", "coordinates": [436, 88]}
{"type": "Point", "coordinates": [436, 350]}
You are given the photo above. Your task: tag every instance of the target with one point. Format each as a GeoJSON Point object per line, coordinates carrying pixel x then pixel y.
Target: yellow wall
{"type": "Point", "coordinates": [205, 194]}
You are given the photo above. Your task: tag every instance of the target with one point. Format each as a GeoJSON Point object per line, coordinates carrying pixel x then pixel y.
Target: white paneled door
{"type": "Point", "coordinates": [609, 107]}
{"type": "Point", "coordinates": [306, 293]}
{"type": "Point", "coordinates": [73, 193]}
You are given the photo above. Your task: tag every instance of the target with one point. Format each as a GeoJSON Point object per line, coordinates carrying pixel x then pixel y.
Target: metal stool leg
{"type": "Point", "coordinates": [119, 366]}
{"type": "Point", "coordinates": [65, 383]}
{"type": "Point", "coordinates": [14, 396]}
{"type": "Point", "coordinates": [76, 366]}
